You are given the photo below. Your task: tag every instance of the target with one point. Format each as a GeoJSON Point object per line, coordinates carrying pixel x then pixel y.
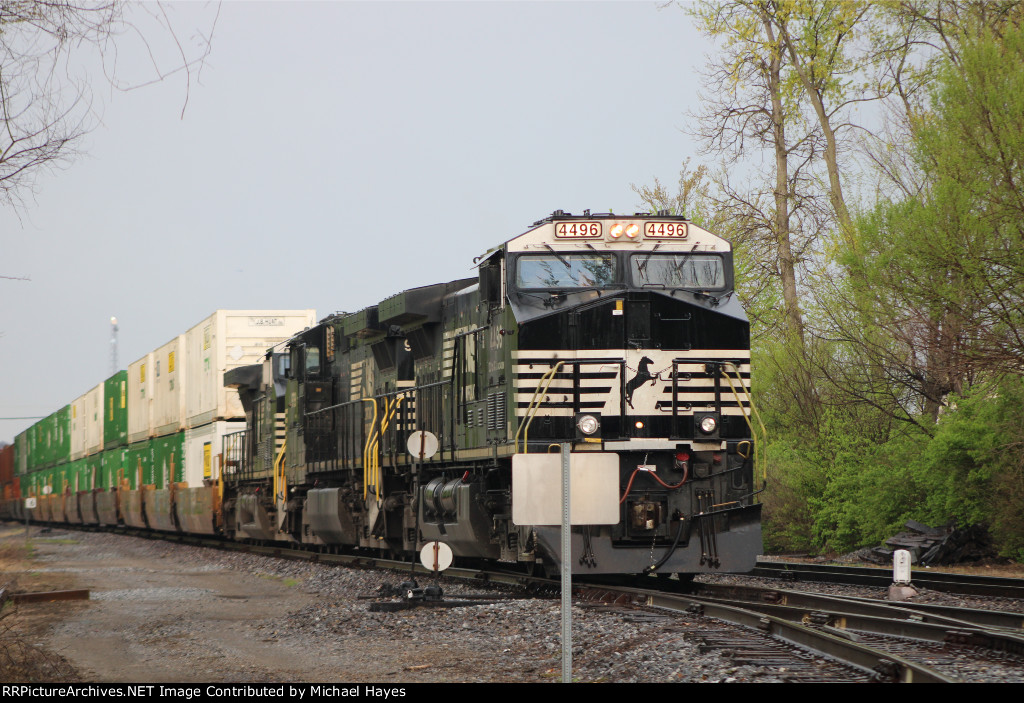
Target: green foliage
{"type": "Point", "coordinates": [902, 396]}
{"type": "Point", "coordinates": [973, 469]}
{"type": "Point", "coordinates": [848, 488]}
{"type": "Point", "coordinates": [792, 476]}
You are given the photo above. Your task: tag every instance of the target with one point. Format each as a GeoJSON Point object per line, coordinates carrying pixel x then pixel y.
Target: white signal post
{"type": "Point", "coordinates": [901, 588]}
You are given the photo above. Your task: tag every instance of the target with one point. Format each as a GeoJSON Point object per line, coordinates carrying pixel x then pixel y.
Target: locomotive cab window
{"type": "Point", "coordinates": [312, 361]}
{"type": "Point", "coordinates": [698, 271]}
{"type": "Point", "coordinates": [565, 271]}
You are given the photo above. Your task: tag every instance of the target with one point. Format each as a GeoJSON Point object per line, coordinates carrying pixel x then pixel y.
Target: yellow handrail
{"type": "Point", "coordinates": [389, 414]}
{"type": "Point", "coordinates": [534, 406]}
{"type": "Point", "coordinates": [280, 480]}
{"type": "Point", "coordinates": [366, 447]}
{"type": "Point", "coordinates": [759, 447]}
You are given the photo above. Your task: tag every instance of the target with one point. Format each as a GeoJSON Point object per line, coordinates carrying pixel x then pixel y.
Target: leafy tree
{"type": "Point", "coordinates": [912, 301]}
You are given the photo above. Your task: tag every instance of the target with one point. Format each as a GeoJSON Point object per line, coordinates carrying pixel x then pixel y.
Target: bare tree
{"type": "Point", "coordinates": [49, 53]}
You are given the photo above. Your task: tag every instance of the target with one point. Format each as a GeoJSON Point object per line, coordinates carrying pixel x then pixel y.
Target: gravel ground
{"type": "Point", "coordinates": [167, 612]}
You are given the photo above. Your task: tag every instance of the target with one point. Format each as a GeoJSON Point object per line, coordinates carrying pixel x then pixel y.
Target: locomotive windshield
{"type": "Point", "coordinates": [566, 271]}
{"type": "Point", "coordinates": [677, 271]}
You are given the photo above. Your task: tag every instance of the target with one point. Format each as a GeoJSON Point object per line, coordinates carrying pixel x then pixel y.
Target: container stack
{"type": "Point", "coordinates": [159, 422]}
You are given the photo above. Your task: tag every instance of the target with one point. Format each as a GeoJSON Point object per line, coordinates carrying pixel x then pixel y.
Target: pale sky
{"type": "Point", "coordinates": [330, 155]}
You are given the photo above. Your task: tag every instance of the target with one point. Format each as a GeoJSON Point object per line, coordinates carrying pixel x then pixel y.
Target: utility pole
{"type": "Point", "coordinates": [113, 346]}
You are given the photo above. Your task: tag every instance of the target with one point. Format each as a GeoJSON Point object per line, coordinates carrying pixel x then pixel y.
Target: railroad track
{"type": "Point", "coordinates": [945, 582]}
{"type": "Point", "coordinates": [812, 637]}
{"type": "Point", "coordinates": [880, 641]}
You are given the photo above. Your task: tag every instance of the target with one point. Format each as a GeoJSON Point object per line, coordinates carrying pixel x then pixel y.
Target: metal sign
{"type": "Point", "coordinates": [422, 444]}
{"type": "Point", "coordinates": [436, 556]}
{"type": "Point", "coordinates": [30, 503]}
{"type": "Point", "coordinates": [537, 489]}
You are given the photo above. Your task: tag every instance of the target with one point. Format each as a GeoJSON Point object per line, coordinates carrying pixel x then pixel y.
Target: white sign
{"type": "Point", "coordinates": [422, 444]}
{"type": "Point", "coordinates": [30, 503]}
{"type": "Point", "coordinates": [436, 556]}
{"type": "Point", "coordinates": [537, 489]}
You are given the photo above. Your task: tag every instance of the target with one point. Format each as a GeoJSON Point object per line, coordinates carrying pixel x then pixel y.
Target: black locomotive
{"type": "Point", "coordinates": [621, 335]}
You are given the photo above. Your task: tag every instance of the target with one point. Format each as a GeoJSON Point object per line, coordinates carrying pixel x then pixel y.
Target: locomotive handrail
{"type": "Point", "coordinates": [371, 464]}
{"type": "Point", "coordinates": [366, 446]}
{"type": "Point", "coordinates": [279, 475]}
{"type": "Point", "coordinates": [353, 459]}
{"type": "Point", "coordinates": [402, 391]}
{"type": "Point", "coordinates": [534, 406]}
{"type": "Point", "coordinates": [746, 416]}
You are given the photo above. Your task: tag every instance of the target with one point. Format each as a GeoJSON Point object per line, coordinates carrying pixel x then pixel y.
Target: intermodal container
{"type": "Point", "coordinates": [169, 380]}
{"type": "Point", "coordinates": [168, 459]}
{"type": "Point", "coordinates": [226, 340]}
{"type": "Point", "coordinates": [140, 399]}
{"type": "Point", "coordinates": [115, 410]}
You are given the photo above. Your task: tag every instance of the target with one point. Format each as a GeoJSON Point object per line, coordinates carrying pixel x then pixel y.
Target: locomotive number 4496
{"type": "Point", "coordinates": [570, 230]}
{"type": "Point", "coordinates": [665, 230]}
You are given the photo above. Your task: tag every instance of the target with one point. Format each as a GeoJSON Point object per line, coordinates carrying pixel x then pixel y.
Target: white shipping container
{"type": "Point", "coordinates": [78, 426]}
{"type": "Point", "coordinates": [94, 420]}
{"type": "Point", "coordinates": [224, 341]}
{"type": "Point", "coordinates": [203, 447]}
{"type": "Point", "coordinates": [140, 399]}
{"type": "Point", "coordinates": [169, 381]}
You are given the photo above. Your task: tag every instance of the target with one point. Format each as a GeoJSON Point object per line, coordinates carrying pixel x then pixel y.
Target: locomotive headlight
{"type": "Point", "coordinates": [708, 424]}
{"type": "Point", "coordinates": [587, 424]}
{"type": "Point", "coordinates": [616, 231]}
{"type": "Point", "coordinates": [632, 230]}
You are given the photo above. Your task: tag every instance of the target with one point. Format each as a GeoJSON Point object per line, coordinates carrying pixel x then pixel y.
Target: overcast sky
{"type": "Point", "coordinates": [331, 154]}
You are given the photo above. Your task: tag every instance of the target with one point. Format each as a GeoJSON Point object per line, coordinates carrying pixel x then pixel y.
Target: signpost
{"type": "Point", "coordinates": [30, 504]}
{"type": "Point", "coordinates": [566, 567]}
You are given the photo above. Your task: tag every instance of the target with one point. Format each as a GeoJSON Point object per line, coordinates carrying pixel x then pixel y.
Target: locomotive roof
{"type": "Point", "coordinates": [541, 235]}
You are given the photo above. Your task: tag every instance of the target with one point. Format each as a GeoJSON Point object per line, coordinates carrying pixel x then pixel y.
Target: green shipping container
{"type": "Point", "coordinates": [21, 454]}
{"type": "Point", "coordinates": [35, 447]}
{"type": "Point", "coordinates": [63, 476]}
{"type": "Point", "coordinates": [71, 473]}
{"type": "Point", "coordinates": [168, 454]}
{"type": "Point", "coordinates": [48, 440]}
{"type": "Point", "coordinates": [113, 465]}
{"type": "Point", "coordinates": [38, 447]}
{"type": "Point", "coordinates": [139, 464]}
{"type": "Point", "coordinates": [90, 473]}
{"type": "Point", "coordinates": [115, 410]}
{"type": "Point", "coordinates": [61, 435]}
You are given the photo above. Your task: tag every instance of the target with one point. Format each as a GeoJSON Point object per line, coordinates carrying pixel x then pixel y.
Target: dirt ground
{"type": "Point", "coordinates": [161, 612]}
{"type": "Point", "coordinates": [152, 619]}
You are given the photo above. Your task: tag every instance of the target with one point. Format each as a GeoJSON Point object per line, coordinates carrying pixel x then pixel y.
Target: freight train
{"type": "Point", "coordinates": [438, 415]}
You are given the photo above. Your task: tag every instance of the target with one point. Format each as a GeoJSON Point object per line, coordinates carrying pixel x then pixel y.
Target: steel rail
{"type": "Point", "coordinates": [883, 624]}
{"type": "Point", "coordinates": [368, 561]}
{"type": "Point", "coordinates": [920, 612]}
{"type": "Point", "coordinates": [47, 596]}
{"type": "Point", "coordinates": [868, 576]}
{"type": "Point", "coordinates": [992, 619]}
{"type": "Point", "coordinates": [883, 665]}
